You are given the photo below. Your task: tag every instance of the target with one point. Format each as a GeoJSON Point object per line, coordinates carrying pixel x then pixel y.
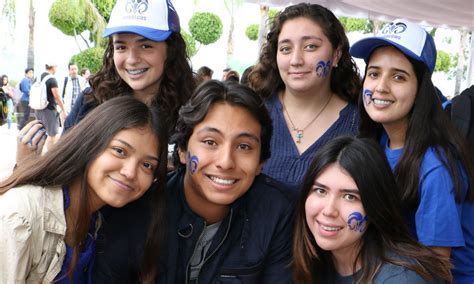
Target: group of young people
{"type": "Point", "coordinates": [270, 184]}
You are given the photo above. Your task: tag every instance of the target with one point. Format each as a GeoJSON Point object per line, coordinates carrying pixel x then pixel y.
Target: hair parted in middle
{"type": "Point", "coordinates": [365, 162]}
{"type": "Point", "coordinates": [345, 79]}
{"type": "Point", "coordinates": [210, 93]}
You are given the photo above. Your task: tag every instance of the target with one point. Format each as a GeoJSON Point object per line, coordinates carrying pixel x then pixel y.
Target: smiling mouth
{"type": "Point", "coordinates": [382, 102]}
{"type": "Point", "coordinates": [330, 228]}
{"type": "Point", "coordinates": [222, 181]}
{"type": "Point", "coordinates": [136, 71]}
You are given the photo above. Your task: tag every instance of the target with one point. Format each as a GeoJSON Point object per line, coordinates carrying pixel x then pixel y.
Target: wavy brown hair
{"type": "Point", "coordinates": [386, 239]}
{"type": "Point", "coordinates": [177, 83]}
{"type": "Point", "coordinates": [265, 78]}
{"type": "Point", "coordinates": [72, 156]}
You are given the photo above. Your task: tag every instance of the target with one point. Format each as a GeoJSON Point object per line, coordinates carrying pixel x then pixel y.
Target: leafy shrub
{"type": "Point", "coordinates": [252, 32]}
{"type": "Point", "coordinates": [104, 7]}
{"type": "Point", "coordinates": [205, 27]}
{"type": "Point", "coordinates": [65, 16]}
{"type": "Point", "coordinates": [190, 43]}
{"type": "Point", "coordinates": [353, 24]}
{"type": "Point", "coordinates": [443, 62]}
{"type": "Point", "coordinates": [90, 58]}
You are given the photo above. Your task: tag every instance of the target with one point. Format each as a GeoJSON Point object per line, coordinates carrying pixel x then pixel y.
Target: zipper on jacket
{"type": "Point", "coordinates": [210, 255]}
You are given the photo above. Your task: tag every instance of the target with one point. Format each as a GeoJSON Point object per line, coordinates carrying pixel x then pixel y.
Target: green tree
{"type": "Point", "coordinates": [354, 24]}
{"type": "Point", "coordinates": [9, 14]}
{"type": "Point", "coordinates": [443, 62]}
{"type": "Point", "coordinates": [90, 58]}
{"type": "Point", "coordinates": [231, 7]}
{"type": "Point", "coordinates": [252, 32]}
{"type": "Point", "coordinates": [191, 49]}
{"type": "Point", "coordinates": [73, 17]}
{"type": "Point", "coordinates": [205, 27]}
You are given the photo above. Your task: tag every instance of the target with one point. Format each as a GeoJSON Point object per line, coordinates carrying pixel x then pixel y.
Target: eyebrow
{"type": "Point", "coordinates": [346, 190]}
{"type": "Point", "coordinates": [242, 134]}
{"type": "Point", "coordinates": [142, 39]}
{"type": "Point", "coordinates": [395, 69]}
{"type": "Point", "coordinates": [128, 145]}
{"type": "Point", "coordinates": [303, 38]}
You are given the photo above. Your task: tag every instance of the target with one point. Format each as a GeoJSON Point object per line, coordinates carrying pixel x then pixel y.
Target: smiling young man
{"type": "Point", "coordinates": [224, 220]}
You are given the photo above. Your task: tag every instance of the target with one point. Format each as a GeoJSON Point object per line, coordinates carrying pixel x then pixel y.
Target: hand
{"type": "Point", "coordinates": [63, 116]}
{"type": "Point", "coordinates": [30, 141]}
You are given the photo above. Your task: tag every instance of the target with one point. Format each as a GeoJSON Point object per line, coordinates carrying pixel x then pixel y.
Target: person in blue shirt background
{"type": "Point", "coordinates": [25, 86]}
{"type": "Point", "coordinates": [399, 108]}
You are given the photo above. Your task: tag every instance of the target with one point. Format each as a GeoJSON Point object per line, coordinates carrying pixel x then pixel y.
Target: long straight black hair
{"type": "Point", "coordinates": [428, 126]}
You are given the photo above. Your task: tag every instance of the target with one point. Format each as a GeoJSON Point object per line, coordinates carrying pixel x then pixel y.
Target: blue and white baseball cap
{"type": "Point", "coordinates": [408, 37]}
{"type": "Point", "coordinates": [152, 19]}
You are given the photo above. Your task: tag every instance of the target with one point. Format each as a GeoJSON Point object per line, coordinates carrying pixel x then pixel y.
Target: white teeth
{"type": "Point", "coordinates": [381, 102]}
{"type": "Point", "coordinates": [135, 71]}
{"type": "Point", "coordinates": [327, 228]}
{"type": "Point", "coordinates": [222, 181]}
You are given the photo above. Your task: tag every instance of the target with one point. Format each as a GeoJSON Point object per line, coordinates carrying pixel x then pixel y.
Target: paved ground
{"type": "Point", "coordinates": [7, 149]}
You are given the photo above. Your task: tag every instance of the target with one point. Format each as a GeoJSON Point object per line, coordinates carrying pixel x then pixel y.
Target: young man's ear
{"type": "Point", "coordinates": [182, 156]}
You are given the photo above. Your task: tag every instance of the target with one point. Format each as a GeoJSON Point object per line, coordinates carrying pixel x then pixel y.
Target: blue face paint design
{"type": "Point", "coordinates": [367, 96]}
{"type": "Point", "coordinates": [357, 222]}
{"type": "Point", "coordinates": [322, 68]}
{"type": "Point", "coordinates": [193, 162]}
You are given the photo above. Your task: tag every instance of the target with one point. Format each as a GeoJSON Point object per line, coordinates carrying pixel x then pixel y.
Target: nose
{"type": "Point", "coordinates": [129, 169]}
{"type": "Point", "coordinates": [133, 56]}
{"type": "Point", "coordinates": [226, 158]}
{"type": "Point", "coordinates": [331, 209]}
{"type": "Point", "coordinates": [381, 86]}
{"type": "Point", "coordinates": [296, 57]}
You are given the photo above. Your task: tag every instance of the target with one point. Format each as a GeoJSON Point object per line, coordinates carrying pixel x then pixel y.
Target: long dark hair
{"type": "Point", "coordinates": [176, 85]}
{"type": "Point", "coordinates": [386, 234]}
{"type": "Point", "coordinates": [345, 80]}
{"type": "Point", "coordinates": [428, 126]}
{"type": "Point", "coordinates": [72, 156]}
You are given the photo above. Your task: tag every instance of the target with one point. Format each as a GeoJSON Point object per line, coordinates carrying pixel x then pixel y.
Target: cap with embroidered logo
{"type": "Point", "coordinates": [408, 37]}
{"type": "Point", "coordinates": [152, 19]}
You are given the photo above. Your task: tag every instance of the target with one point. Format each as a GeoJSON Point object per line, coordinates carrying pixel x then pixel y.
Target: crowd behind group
{"type": "Point", "coordinates": [298, 171]}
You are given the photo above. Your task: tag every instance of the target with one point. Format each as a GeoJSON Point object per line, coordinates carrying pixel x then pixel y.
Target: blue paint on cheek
{"type": "Point", "coordinates": [367, 96]}
{"type": "Point", "coordinates": [193, 163]}
{"type": "Point", "coordinates": [323, 68]}
{"type": "Point", "coordinates": [357, 222]}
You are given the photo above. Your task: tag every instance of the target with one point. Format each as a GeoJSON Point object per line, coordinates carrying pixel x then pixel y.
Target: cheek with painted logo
{"type": "Point", "coordinates": [367, 96]}
{"type": "Point", "coordinates": [357, 222]}
{"type": "Point", "coordinates": [323, 68]}
{"type": "Point", "coordinates": [193, 163]}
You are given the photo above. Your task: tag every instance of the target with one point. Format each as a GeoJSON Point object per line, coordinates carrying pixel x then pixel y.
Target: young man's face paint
{"type": "Point", "coordinates": [367, 96]}
{"type": "Point", "coordinates": [323, 68]}
{"type": "Point", "coordinates": [193, 162]}
{"type": "Point", "coordinates": [357, 222]}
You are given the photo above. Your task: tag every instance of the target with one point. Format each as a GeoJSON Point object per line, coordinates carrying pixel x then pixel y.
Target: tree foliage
{"type": "Point", "coordinates": [104, 7]}
{"type": "Point", "coordinates": [90, 58]}
{"type": "Point", "coordinates": [252, 32]}
{"type": "Point", "coordinates": [354, 24]}
{"type": "Point", "coordinates": [205, 27]}
{"type": "Point", "coordinates": [191, 49]}
{"type": "Point", "coordinates": [65, 16]}
{"type": "Point", "coordinates": [443, 62]}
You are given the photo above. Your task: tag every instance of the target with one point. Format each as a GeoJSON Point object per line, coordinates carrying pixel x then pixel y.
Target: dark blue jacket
{"type": "Point", "coordinates": [253, 243]}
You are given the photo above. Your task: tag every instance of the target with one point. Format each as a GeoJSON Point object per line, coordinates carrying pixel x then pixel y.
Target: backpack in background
{"type": "Point", "coordinates": [39, 94]}
{"type": "Point", "coordinates": [462, 114]}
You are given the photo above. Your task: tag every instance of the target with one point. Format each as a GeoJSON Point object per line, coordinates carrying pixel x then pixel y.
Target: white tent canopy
{"type": "Point", "coordinates": [453, 14]}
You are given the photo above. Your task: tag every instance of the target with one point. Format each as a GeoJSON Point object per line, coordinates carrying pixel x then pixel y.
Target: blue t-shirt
{"type": "Point", "coordinates": [439, 220]}
{"type": "Point", "coordinates": [286, 164]}
{"type": "Point", "coordinates": [25, 86]}
{"type": "Point", "coordinates": [83, 269]}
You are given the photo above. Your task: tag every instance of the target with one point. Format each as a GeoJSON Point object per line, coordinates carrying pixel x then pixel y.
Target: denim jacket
{"type": "Point", "coordinates": [32, 230]}
{"type": "Point", "coordinates": [252, 245]}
